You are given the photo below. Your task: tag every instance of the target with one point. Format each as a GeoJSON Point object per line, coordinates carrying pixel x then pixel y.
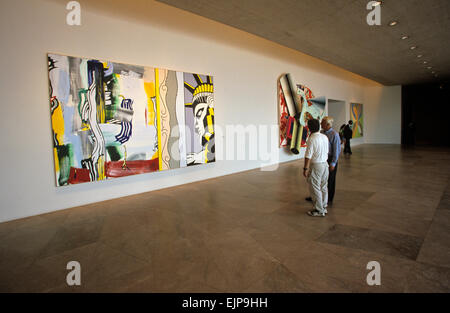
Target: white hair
{"type": "Point", "coordinates": [329, 120]}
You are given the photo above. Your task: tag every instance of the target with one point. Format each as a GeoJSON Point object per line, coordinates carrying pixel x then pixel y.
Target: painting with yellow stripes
{"type": "Point", "coordinates": [356, 114]}
{"type": "Point", "coordinates": [112, 120]}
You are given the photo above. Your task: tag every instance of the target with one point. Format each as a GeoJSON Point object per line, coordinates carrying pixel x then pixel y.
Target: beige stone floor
{"type": "Point", "coordinates": [249, 232]}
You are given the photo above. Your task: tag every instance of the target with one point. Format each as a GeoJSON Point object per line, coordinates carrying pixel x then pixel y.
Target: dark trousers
{"type": "Point", "coordinates": [347, 148]}
{"type": "Point", "coordinates": [332, 184]}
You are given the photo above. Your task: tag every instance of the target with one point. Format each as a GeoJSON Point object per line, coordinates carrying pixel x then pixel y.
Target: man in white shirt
{"type": "Point", "coordinates": [316, 168]}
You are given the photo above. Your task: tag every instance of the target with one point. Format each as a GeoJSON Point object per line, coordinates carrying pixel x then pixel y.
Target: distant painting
{"type": "Point", "coordinates": [356, 114]}
{"type": "Point", "coordinates": [111, 120]}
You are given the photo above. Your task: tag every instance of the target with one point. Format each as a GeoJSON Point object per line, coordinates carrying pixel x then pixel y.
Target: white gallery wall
{"type": "Point", "coordinates": [382, 114]}
{"type": "Point", "coordinates": [143, 32]}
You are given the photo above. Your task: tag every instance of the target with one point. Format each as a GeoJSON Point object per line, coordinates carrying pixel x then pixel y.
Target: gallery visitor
{"type": "Point", "coordinates": [348, 134]}
{"type": "Point", "coordinates": [316, 168]}
{"type": "Point", "coordinates": [334, 149]}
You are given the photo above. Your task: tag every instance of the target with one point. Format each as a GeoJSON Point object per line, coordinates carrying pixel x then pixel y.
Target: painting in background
{"type": "Point", "coordinates": [112, 120]}
{"type": "Point", "coordinates": [356, 115]}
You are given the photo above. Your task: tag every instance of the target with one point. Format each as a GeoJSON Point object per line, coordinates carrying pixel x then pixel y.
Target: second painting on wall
{"type": "Point", "coordinates": [356, 115]}
{"type": "Point", "coordinates": [111, 119]}
{"type": "Point", "coordinates": [296, 105]}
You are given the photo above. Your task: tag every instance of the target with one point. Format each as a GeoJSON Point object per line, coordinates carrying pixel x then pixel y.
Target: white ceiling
{"type": "Point", "coordinates": [336, 31]}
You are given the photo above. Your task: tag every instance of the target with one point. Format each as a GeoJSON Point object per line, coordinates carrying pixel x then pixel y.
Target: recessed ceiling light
{"type": "Point", "coordinates": [393, 23]}
{"type": "Point", "coordinates": [433, 72]}
{"type": "Point", "coordinates": [413, 47]}
{"type": "Point", "coordinates": [420, 55]}
{"type": "Point", "coordinates": [425, 62]}
{"type": "Point", "coordinates": [405, 37]}
{"type": "Point", "coordinates": [429, 67]}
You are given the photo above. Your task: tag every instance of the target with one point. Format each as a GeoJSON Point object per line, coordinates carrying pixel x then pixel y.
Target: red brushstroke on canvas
{"type": "Point", "coordinates": [146, 122]}
{"type": "Point", "coordinates": [283, 118]}
{"type": "Point", "coordinates": [120, 169]}
{"type": "Point", "coordinates": [79, 175]}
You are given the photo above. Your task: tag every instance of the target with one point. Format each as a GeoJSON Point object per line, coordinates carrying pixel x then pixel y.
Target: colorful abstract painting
{"type": "Point", "coordinates": [289, 108]}
{"type": "Point", "coordinates": [112, 120]}
{"type": "Point", "coordinates": [283, 117]}
{"type": "Point", "coordinates": [356, 115]}
{"type": "Point", "coordinates": [296, 105]}
{"type": "Point", "coordinates": [312, 108]}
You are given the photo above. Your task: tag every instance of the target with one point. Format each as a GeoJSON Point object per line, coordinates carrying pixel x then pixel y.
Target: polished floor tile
{"type": "Point", "coordinates": [379, 217]}
{"type": "Point", "coordinates": [389, 243]}
{"type": "Point", "coordinates": [436, 247]}
{"type": "Point", "coordinates": [280, 280]}
{"type": "Point", "coordinates": [249, 232]}
{"type": "Point", "coordinates": [427, 278]}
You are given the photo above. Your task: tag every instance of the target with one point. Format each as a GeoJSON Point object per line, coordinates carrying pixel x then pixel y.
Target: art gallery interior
{"type": "Point", "coordinates": [219, 206]}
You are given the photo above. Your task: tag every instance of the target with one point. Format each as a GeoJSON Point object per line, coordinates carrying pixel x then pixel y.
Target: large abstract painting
{"type": "Point", "coordinates": [296, 105]}
{"type": "Point", "coordinates": [356, 114]}
{"type": "Point", "coordinates": [111, 120]}
{"type": "Point", "coordinates": [312, 108]}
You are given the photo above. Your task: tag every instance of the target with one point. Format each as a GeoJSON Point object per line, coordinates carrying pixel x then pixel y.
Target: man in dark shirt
{"type": "Point", "coordinates": [348, 134]}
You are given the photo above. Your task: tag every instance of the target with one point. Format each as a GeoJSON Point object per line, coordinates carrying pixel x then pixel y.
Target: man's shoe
{"type": "Point", "coordinates": [308, 199]}
{"type": "Point", "coordinates": [316, 213]}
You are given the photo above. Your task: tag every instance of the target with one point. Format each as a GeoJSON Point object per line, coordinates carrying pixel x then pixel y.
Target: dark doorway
{"type": "Point", "coordinates": [426, 115]}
